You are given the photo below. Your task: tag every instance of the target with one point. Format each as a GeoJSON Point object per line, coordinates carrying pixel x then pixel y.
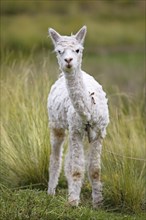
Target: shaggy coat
{"type": "Point", "coordinates": [76, 103]}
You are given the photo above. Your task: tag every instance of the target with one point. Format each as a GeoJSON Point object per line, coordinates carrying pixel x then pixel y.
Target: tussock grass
{"type": "Point", "coordinates": [25, 145]}
{"type": "Point", "coordinates": [124, 155]}
{"type": "Point", "coordinates": [24, 124]}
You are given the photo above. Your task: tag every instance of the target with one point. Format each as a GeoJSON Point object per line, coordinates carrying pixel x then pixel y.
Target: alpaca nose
{"type": "Point", "coordinates": [68, 60]}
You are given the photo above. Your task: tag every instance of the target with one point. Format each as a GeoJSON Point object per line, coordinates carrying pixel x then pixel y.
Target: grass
{"type": "Point", "coordinates": [114, 55]}
{"type": "Point", "coordinates": [24, 124]}
{"type": "Point", "coordinates": [124, 156]}
{"type": "Point", "coordinates": [25, 146]}
{"type": "Point", "coordinates": [110, 25]}
{"type": "Point", "coordinates": [35, 204]}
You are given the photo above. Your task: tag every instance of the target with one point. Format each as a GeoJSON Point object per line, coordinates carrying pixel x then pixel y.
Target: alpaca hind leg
{"type": "Point", "coordinates": [57, 139]}
{"type": "Point", "coordinates": [94, 169]}
{"type": "Point", "coordinates": [74, 168]}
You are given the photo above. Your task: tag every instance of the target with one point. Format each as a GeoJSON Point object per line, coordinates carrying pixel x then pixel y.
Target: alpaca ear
{"type": "Point", "coordinates": [80, 35]}
{"type": "Point", "coordinates": [54, 35]}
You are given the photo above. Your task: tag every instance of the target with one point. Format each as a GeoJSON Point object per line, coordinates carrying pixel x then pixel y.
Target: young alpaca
{"type": "Point", "coordinates": [76, 103]}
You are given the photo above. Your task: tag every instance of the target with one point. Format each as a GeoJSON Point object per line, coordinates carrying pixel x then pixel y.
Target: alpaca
{"type": "Point", "coordinates": [76, 103]}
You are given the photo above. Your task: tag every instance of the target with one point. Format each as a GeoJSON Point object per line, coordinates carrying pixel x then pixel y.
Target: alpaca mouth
{"type": "Point", "coordinates": [68, 66]}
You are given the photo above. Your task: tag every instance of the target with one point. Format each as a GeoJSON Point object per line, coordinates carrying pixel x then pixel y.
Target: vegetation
{"type": "Point", "coordinates": [116, 59]}
{"type": "Point", "coordinates": [110, 25]}
{"type": "Point", "coordinates": [34, 205]}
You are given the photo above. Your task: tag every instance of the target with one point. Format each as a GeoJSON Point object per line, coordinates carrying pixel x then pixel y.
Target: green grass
{"type": "Point", "coordinates": [24, 123]}
{"type": "Point", "coordinates": [114, 56]}
{"type": "Point", "coordinates": [124, 154]}
{"type": "Point", "coordinates": [35, 204]}
{"type": "Point", "coordinates": [25, 145]}
{"type": "Point", "coordinates": [110, 24]}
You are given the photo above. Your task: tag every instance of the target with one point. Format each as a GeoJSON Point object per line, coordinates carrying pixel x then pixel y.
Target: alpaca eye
{"type": "Point", "coordinates": [59, 51]}
{"type": "Point", "coordinates": [77, 51]}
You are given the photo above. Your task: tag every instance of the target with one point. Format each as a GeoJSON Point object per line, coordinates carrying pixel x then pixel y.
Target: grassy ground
{"type": "Point", "coordinates": [35, 204]}
{"type": "Point", "coordinates": [25, 145]}
{"type": "Point", "coordinates": [114, 56]}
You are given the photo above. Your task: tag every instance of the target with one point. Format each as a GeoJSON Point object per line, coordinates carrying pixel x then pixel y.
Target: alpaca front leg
{"type": "Point", "coordinates": [74, 168]}
{"type": "Point", "coordinates": [57, 138]}
{"type": "Point", "coordinates": [94, 170]}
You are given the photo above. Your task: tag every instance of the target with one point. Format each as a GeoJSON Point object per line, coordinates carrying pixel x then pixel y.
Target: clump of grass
{"type": "Point", "coordinates": [25, 145]}
{"type": "Point", "coordinates": [24, 124]}
{"type": "Point", "coordinates": [124, 155]}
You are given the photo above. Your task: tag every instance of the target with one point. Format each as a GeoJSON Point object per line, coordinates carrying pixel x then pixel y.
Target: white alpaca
{"type": "Point", "coordinates": [76, 103]}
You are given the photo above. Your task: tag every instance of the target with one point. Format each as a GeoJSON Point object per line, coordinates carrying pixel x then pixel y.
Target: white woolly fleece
{"type": "Point", "coordinates": [64, 110]}
{"type": "Point", "coordinates": [77, 103]}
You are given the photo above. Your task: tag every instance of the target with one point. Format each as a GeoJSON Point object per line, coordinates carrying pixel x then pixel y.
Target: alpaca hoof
{"type": "Point", "coordinates": [98, 203]}
{"type": "Point", "coordinates": [51, 192]}
{"type": "Point", "coordinates": [74, 203]}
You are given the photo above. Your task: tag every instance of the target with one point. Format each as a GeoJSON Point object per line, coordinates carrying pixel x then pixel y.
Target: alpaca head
{"type": "Point", "coordinates": [69, 49]}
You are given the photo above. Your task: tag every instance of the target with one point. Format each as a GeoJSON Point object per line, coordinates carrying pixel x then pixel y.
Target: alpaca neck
{"type": "Point", "coordinates": [78, 93]}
